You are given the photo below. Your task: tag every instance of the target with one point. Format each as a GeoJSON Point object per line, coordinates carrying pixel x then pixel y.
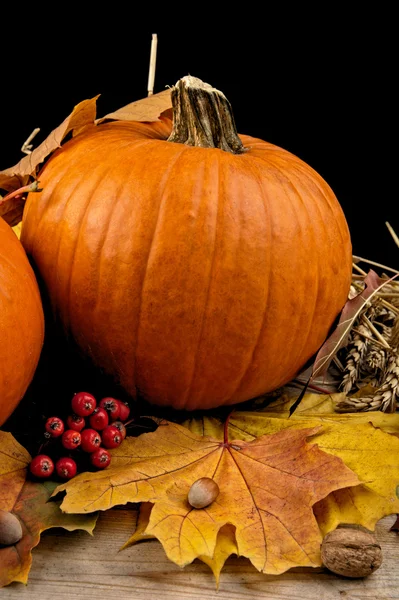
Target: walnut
{"type": "Point", "coordinates": [351, 551]}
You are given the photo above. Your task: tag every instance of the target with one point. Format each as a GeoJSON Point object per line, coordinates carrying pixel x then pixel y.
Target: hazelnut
{"type": "Point", "coordinates": [10, 529]}
{"type": "Point", "coordinates": [351, 551]}
{"type": "Point", "coordinates": [203, 492]}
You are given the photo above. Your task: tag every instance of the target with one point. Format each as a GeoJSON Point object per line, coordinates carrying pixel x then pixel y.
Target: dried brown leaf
{"type": "Point", "coordinates": [82, 116]}
{"type": "Point", "coordinates": [11, 211]}
{"type": "Point", "coordinates": [146, 109]}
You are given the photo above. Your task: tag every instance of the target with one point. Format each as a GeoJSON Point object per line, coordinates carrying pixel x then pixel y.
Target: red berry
{"type": "Point", "coordinates": [124, 411]}
{"type": "Point", "coordinates": [41, 466]}
{"type": "Point", "coordinates": [66, 467]}
{"type": "Point", "coordinates": [91, 440]}
{"type": "Point", "coordinates": [121, 427]}
{"type": "Point", "coordinates": [99, 418]}
{"type": "Point", "coordinates": [100, 458]}
{"type": "Point", "coordinates": [75, 422]}
{"type": "Point", "coordinates": [54, 426]}
{"type": "Point", "coordinates": [71, 439]}
{"type": "Point", "coordinates": [83, 404]}
{"type": "Point", "coordinates": [112, 406]}
{"type": "Point", "coordinates": [111, 437]}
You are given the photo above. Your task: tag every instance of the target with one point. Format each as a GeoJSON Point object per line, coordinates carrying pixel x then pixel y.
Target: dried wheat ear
{"type": "Point", "coordinates": [369, 363]}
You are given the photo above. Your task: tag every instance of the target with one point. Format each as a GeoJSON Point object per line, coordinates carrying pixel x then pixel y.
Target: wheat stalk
{"type": "Point", "coordinates": [385, 397]}
{"type": "Point", "coordinates": [371, 358]}
{"type": "Point", "coordinates": [357, 349]}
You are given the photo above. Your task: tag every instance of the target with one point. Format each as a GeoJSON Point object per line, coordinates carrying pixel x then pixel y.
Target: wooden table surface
{"type": "Point", "coordinates": [74, 565]}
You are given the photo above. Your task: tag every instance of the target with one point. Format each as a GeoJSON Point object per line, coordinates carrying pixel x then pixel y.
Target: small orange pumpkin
{"type": "Point", "coordinates": [21, 322]}
{"type": "Point", "coordinates": [199, 267]}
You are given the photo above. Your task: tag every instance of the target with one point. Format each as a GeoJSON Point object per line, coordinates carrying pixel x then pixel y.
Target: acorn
{"type": "Point", "coordinates": [10, 529]}
{"type": "Point", "coordinates": [203, 492]}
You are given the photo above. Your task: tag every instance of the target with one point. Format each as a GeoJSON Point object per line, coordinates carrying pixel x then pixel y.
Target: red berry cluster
{"type": "Point", "coordinates": [91, 428]}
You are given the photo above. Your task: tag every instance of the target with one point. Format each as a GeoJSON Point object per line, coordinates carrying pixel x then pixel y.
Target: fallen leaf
{"type": "Point", "coordinates": [367, 450]}
{"type": "Point", "coordinates": [318, 405]}
{"type": "Point", "coordinates": [21, 174]}
{"type": "Point", "coordinates": [140, 534]}
{"type": "Point", "coordinates": [226, 544]}
{"type": "Point", "coordinates": [373, 455]}
{"type": "Point", "coordinates": [311, 404]}
{"type": "Point", "coordinates": [82, 116]}
{"type": "Point", "coordinates": [207, 426]}
{"type": "Point", "coordinates": [310, 411]}
{"type": "Point", "coordinates": [11, 211]}
{"type": "Point", "coordinates": [147, 109]}
{"type": "Point", "coordinates": [29, 502]}
{"type": "Point", "coordinates": [36, 514]}
{"type": "Point", "coordinates": [14, 461]}
{"type": "Point", "coordinates": [267, 490]}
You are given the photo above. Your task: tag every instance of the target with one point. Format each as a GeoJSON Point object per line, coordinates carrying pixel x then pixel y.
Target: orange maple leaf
{"type": "Point", "coordinates": [267, 490]}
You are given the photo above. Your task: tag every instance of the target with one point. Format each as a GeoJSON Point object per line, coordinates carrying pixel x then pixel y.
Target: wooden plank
{"type": "Point", "coordinates": [67, 566]}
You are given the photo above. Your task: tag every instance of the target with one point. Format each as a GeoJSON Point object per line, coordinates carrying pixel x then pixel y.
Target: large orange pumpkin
{"type": "Point", "coordinates": [200, 268]}
{"type": "Point", "coordinates": [21, 322]}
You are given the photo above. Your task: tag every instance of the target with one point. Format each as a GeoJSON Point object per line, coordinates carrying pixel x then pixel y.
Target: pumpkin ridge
{"type": "Point", "coordinates": [29, 239]}
{"type": "Point", "coordinates": [234, 171]}
{"type": "Point", "coordinates": [162, 184]}
{"type": "Point", "coordinates": [302, 342]}
{"type": "Point", "coordinates": [264, 192]}
{"type": "Point", "coordinates": [256, 173]}
{"type": "Point", "coordinates": [297, 349]}
{"type": "Point", "coordinates": [185, 399]}
{"type": "Point", "coordinates": [35, 198]}
{"type": "Point", "coordinates": [21, 322]}
{"type": "Point", "coordinates": [57, 292]}
{"type": "Point", "coordinates": [97, 278]}
{"type": "Point", "coordinates": [23, 278]}
{"type": "Point", "coordinates": [103, 174]}
{"type": "Point", "coordinates": [302, 172]}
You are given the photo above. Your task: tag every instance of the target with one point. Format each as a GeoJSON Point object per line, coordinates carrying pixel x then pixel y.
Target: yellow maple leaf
{"type": "Point", "coordinates": [267, 490]}
{"type": "Point", "coordinates": [143, 518]}
{"type": "Point", "coordinates": [226, 544]}
{"type": "Point", "coordinates": [365, 448]}
{"type": "Point", "coordinates": [360, 439]}
{"type": "Point", "coordinates": [28, 501]}
{"type": "Point", "coordinates": [319, 405]}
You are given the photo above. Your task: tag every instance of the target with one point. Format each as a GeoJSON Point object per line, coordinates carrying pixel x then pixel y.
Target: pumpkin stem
{"type": "Point", "coordinates": [202, 116]}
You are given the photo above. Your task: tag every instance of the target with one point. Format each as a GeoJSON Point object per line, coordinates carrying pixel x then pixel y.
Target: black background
{"type": "Point", "coordinates": [321, 84]}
